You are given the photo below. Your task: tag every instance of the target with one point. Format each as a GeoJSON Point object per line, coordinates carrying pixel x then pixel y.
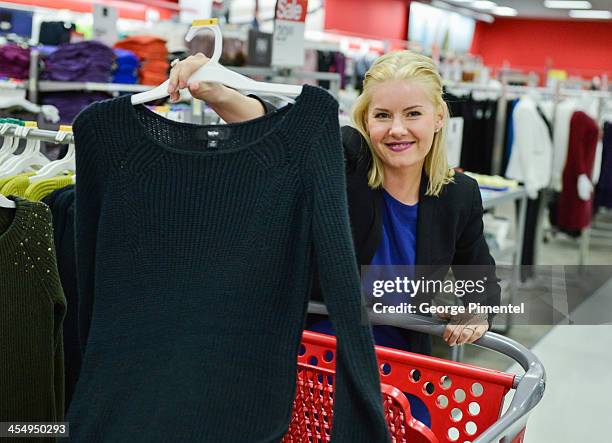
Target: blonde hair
{"type": "Point", "coordinates": [406, 65]}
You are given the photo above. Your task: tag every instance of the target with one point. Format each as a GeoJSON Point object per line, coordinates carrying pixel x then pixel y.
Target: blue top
{"type": "Point", "coordinates": [398, 243]}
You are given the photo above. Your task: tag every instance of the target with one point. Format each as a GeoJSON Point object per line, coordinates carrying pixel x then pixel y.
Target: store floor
{"type": "Point", "coordinates": [577, 358]}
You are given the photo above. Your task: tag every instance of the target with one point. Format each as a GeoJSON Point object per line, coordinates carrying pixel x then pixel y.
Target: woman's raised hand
{"type": "Point", "coordinates": [179, 76]}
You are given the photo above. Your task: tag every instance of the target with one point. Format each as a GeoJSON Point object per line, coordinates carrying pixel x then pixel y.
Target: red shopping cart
{"type": "Point", "coordinates": [464, 401]}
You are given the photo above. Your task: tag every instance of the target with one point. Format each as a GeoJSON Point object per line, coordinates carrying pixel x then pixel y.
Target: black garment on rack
{"type": "Point", "coordinates": [509, 136]}
{"type": "Point", "coordinates": [479, 117]}
{"type": "Point", "coordinates": [61, 203]}
{"type": "Point", "coordinates": [531, 221]}
{"type": "Point", "coordinates": [529, 236]}
{"type": "Point", "coordinates": [603, 192]}
{"type": "Point", "coordinates": [55, 33]}
{"type": "Point", "coordinates": [326, 61]}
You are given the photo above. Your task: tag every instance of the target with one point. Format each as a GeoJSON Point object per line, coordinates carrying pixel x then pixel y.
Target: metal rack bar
{"type": "Point", "coordinates": [55, 86]}
{"type": "Point", "coordinates": [40, 134]}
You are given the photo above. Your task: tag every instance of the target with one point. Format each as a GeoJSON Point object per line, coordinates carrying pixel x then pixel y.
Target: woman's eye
{"type": "Point", "coordinates": [413, 114]}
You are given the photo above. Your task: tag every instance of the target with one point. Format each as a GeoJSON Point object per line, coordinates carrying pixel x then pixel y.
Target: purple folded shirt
{"type": "Point", "coordinates": [14, 62]}
{"type": "Point", "coordinates": [88, 61]}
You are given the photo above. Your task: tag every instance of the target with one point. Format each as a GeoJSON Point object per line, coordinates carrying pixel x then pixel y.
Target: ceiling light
{"type": "Point", "coordinates": [505, 11]}
{"type": "Point", "coordinates": [483, 4]}
{"type": "Point", "coordinates": [562, 4]}
{"type": "Point", "coordinates": [591, 14]}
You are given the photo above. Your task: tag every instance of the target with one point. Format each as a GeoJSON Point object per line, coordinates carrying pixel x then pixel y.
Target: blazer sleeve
{"type": "Point", "coordinates": [472, 260]}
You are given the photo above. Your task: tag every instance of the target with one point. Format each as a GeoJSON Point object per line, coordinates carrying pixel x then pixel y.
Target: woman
{"type": "Point", "coordinates": [406, 206]}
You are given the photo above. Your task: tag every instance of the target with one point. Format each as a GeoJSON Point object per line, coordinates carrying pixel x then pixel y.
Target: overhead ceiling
{"type": "Point", "coordinates": [535, 8]}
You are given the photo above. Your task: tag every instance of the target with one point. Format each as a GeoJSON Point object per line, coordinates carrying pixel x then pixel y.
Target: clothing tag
{"type": "Point", "coordinates": [213, 136]}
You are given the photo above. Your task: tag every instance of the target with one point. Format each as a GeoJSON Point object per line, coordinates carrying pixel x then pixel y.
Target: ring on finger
{"type": "Point", "coordinates": [174, 62]}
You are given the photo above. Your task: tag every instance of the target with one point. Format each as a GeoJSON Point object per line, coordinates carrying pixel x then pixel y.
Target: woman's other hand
{"type": "Point", "coordinates": [179, 76]}
{"type": "Point", "coordinates": [464, 328]}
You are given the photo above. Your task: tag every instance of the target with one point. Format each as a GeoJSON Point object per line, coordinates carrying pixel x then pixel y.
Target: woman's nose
{"type": "Point", "coordinates": [398, 128]}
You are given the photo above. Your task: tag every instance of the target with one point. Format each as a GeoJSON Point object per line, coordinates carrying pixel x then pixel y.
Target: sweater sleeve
{"type": "Point", "coordinates": [358, 413]}
{"type": "Point", "coordinates": [88, 191]}
{"type": "Point", "coordinates": [472, 260]}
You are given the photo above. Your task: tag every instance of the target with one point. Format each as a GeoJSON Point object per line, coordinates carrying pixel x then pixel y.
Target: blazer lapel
{"type": "Point", "coordinates": [424, 224]}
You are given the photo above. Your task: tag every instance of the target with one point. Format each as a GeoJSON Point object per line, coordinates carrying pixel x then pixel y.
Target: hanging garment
{"type": "Point", "coordinates": [563, 117]}
{"type": "Point", "coordinates": [55, 33]}
{"type": "Point", "coordinates": [530, 161]}
{"type": "Point", "coordinates": [479, 117]}
{"type": "Point", "coordinates": [17, 184]}
{"type": "Point", "coordinates": [32, 307]}
{"type": "Point", "coordinates": [61, 203]}
{"type": "Point", "coordinates": [38, 190]}
{"type": "Point", "coordinates": [195, 250]}
{"type": "Point", "coordinates": [509, 138]}
{"type": "Point", "coordinates": [575, 213]}
{"type": "Point", "coordinates": [603, 193]}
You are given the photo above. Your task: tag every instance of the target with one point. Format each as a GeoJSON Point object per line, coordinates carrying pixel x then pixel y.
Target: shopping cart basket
{"type": "Point", "coordinates": [464, 401]}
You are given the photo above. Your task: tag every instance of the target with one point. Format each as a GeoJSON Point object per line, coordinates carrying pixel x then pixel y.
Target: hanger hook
{"type": "Point", "coordinates": [198, 25]}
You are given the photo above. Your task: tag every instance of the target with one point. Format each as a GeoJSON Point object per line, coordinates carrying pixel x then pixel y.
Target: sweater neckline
{"type": "Point", "coordinates": [285, 113]}
{"type": "Point", "coordinates": [13, 233]}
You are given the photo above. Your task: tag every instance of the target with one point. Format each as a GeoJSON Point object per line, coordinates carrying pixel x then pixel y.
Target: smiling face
{"type": "Point", "coordinates": [401, 122]}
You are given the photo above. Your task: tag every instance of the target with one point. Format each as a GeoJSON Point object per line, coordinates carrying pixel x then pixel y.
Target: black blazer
{"type": "Point", "coordinates": [449, 229]}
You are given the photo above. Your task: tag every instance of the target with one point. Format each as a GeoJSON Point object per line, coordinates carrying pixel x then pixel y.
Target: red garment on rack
{"type": "Point", "coordinates": [573, 212]}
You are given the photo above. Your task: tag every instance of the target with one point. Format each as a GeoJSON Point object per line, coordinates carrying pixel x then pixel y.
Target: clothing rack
{"type": "Point", "coordinates": [39, 134]}
{"type": "Point", "coordinates": [505, 92]}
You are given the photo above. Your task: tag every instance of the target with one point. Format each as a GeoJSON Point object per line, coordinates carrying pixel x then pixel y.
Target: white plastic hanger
{"type": "Point", "coordinates": [9, 144]}
{"type": "Point", "coordinates": [214, 72]}
{"type": "Point", "coordinates": [57, 167]}
{"type": "Point", "coordinates": [6, 203]}
{"type": "Point", "coordinates": [31, 156]}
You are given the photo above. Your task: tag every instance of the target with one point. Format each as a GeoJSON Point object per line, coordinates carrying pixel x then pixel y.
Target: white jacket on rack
{"type": "Point", "coordinates": [531, 158]}
{"type": "Point", "coordinates": [563, 115]}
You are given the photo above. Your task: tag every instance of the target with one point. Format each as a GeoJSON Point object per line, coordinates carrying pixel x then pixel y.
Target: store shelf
{"type": "Point", "coordinates": [54, 86]}
{"type": "Point", "coordinates": [12, 85]}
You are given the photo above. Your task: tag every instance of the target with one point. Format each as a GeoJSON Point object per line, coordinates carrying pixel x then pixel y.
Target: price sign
{"type": "Point", "coordinates": [288, 38]}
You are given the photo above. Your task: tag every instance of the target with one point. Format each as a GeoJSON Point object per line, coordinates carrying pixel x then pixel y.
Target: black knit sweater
{"type": "Point", "coordinates": [32, 307]}
{"type": "Point", "coordinates": [195, 250]}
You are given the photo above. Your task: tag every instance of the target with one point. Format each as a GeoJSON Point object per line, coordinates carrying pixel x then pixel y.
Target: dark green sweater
{"type": "Point", "coordinates": [32, 307]}
{"type": "Point", "coordinates": [195, 263]}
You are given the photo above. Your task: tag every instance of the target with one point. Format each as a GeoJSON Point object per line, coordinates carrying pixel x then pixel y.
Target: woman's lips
{"type": "Point", "coordinates": [399, 146]}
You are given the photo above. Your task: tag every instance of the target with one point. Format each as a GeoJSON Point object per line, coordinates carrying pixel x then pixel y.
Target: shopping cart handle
{"type": "Point", "coordinates": [529, 388]}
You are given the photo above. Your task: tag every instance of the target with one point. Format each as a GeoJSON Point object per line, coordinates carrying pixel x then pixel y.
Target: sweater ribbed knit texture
{"type": "Point", "coordinates": [195, 264]}
{"type": "Point", "coordinates": [32, 307]}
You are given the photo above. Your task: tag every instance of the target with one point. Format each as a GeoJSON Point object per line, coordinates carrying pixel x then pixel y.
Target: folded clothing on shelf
{"type": "Point", "coordinates": [126, 67]}
{"type": "Point", "coordinates": [88, 61]}
{"type": "Point", "coordinates": [14, 61]}
{"type": "Point", "coordinates": [494, 182]}
{"type": "Point", "coordinates": [153, 56]}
